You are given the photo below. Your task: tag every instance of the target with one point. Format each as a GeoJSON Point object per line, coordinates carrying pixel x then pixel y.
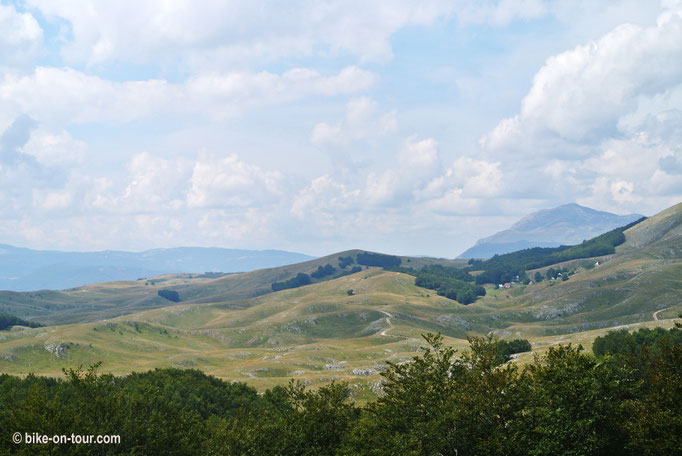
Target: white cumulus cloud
{"type": "Point", "coordinates": [21, 39]}
{"type": "Point", "coordinates": [65, 95]}
{"type": "Point", "coordinates": [580, 95]}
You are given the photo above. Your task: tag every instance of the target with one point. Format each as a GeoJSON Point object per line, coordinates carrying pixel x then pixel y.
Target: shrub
{"type": "Point", "coordinates": [170, 295]}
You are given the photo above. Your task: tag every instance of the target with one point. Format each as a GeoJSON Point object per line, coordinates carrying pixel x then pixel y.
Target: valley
{"type": "Point", "coordinates": [234, 327]}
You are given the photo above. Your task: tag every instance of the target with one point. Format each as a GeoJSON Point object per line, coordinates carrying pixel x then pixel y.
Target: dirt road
{"type": "Point", "coordinates": [388, 320]}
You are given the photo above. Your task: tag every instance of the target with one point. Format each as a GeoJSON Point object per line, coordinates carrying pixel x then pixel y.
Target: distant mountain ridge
{"type": "Point", "coordinates": [568, 224]}
{"type": "Point", "coordinates": [23, 269]}
{"type": "Point", "coordinates": [238, 328]}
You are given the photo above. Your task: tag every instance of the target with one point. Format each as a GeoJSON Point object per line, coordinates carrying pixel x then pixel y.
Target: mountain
{"type": "Point", "coordinates": [236, 329]}
{"type": "Point", "coordinates": [564, 225]}
{"type": "Point", "coordinates": [24, 269]}
{"type": "Point", "coordinates": [99, 301]}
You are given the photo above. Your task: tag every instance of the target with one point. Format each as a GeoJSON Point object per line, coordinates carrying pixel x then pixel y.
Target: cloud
{"type": "Point", "coordinates": [500, 13]}
{"type": "Point", "coordinates": [223, 33]}
{"type": "Point", "coordinates": [228, 181]}
{"type": "Point", "coordinates": [580, 95]}
{"type": "Point", "coordinates": [418, 163]}
{"type": "Point", "coordinates": [249, 224]}
{"type": "Point", "coordinates": [55, 148]}
{"type": "Point", "coordinates": [155, 184]}
{"type": "Point", "coordinates": [52, 200]}
{"type": "Point", "coordinates": [14, 138]}
{"type": "Point", "coordinates": [156, 201]}
{"type": "Point", "coordinates": [418, 183]}
{"type": "Point", "coordinates": [231, 137]}
{"type": "Point", "coordinates": [601, 123]}
{"type": "Point", "coordinates": [64, 95]}
{"type": "Point", "coordinates": [21, 37]}
{"type": "Point", "coordinates": [67, 96]}
{"type": "Point", "coordinates": [233, 30]}
{"type": "Point", "coordinates": [323, 199]}
{"type": "Point", "coordinates": [466, 187]}
{"type": "Point", "coordinates": [361, 120]}
{"type": "Point", "coordinates": [418, 155]}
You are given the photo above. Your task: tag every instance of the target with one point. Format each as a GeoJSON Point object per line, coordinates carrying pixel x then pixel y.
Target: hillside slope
{"type": "Point", "coordinates": [111, 299]}
{"type": "Point", "coordinates": [319, 333]}
{"type": "Point", "coordinates": [324, 331]}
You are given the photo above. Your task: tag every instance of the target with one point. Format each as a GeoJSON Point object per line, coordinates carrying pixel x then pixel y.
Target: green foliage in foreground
{"type": "Point", "coordinates": [506, 348]}
{"type": "Point", "coordinates": [566, 402]}
{"type": "Point", "coordinates": [7, 321]}
{"type": "Point", "coordinates": [622, 343]}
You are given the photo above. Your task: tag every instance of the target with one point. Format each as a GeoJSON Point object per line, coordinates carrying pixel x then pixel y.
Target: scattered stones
{"type": "Point", "coordinates": [335, 367]}
{"type": "Point", "coordinates": [549, 313]}
{"type": "Point", "coordinates": [8, 356]}
{"type": "Point", "coordinates": [454, 321]}
{"type": "Point", "coordinates": [292, 328]}
{"type": "Point", "coordinates": [364, 372]}
{"type": "Point", "coordinates": [57, 349]}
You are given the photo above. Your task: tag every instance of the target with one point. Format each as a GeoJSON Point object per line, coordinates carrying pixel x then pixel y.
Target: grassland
{"type": "Point", "coordinates": [231, 328]}
{"type": "Point", "coordinates": [112, 299]}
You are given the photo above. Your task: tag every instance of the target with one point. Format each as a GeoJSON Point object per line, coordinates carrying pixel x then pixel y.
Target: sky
{"type": "Point", "coordinates": [406, 127]}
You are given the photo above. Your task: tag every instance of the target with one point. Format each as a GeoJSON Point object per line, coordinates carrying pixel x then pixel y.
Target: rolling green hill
{"type": "Point", "coordinates": [112, 299]}
{"type": "Point", "coordinates": [234, 327]}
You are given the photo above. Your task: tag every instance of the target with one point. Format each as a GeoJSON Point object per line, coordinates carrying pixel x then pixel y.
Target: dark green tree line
{"type": "Point", "coordinates": [564, 402]}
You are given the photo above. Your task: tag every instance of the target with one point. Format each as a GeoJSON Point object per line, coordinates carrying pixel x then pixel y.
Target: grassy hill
{"type": "Point", "coordinates": [234, 328]}
{"type": "Point", "coordinates": [112, 299]}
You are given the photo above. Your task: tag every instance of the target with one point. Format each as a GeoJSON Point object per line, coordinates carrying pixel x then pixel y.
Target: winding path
{"type": "Point", "coordinates": [390, 325]}
{"type": "Point", "coordinates": [659, 311]}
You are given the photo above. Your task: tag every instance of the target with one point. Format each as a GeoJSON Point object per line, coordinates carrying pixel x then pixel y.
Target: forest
{"type": "Point", "coordinates": [7, 321]}
{"type": "Point", "coordinates": [564, 402]}
{"type": "Point", "coordinates": [506, 267]}
{"type": "Point", "coordinates": [322, 273]}
{"type": "Point", "coordinates": [458, 283]}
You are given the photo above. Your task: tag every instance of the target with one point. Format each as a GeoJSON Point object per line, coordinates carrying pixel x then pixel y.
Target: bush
{"type": "Point", "coordinates": [170, 295]}
{"type": "Point", "coordinates": [323, 271]}
{"type": "Point", "coordinates": [7, 321]}
{"type": "Point", "coordinates": [508, 348]}
{"type": "Point", "coordinates": [345, 261]}
{"type": "Point", "coordinates": [622, 343]}
{"type": "Point", "coordinates": [298, 281]}
{"type": "Point", "coordinates": [455, 289]}
{"type": "Point", "coordinates": [378, 259]}
{"type": "Point", "coordinates": [564, 402]}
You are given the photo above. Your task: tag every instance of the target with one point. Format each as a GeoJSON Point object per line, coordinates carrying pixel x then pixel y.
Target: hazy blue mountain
{"type": "Point", "coordinates": [24, 269]}
{"type": "Point", "coordinates": [568, 224]}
